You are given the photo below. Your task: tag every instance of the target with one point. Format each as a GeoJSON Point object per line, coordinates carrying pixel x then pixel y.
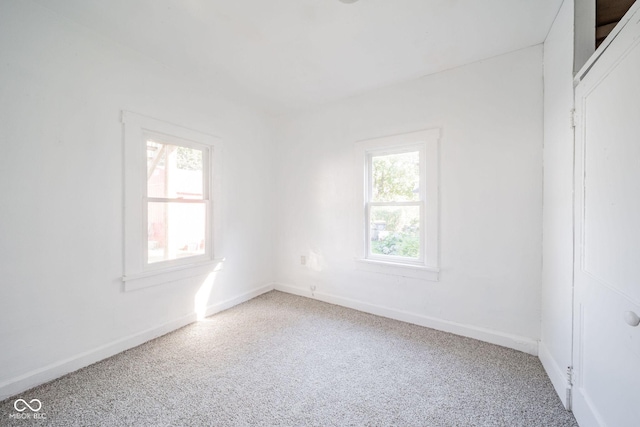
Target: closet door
{"type": "Point", "coordinates": [607, 213]}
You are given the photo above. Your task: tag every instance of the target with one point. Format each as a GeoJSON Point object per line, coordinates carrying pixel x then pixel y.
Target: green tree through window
{"type": "Point", "coordinates": [395, 228]}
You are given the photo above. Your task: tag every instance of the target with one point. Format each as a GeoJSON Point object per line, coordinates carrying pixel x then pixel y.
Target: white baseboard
{"type": "Point", "coordinates": [585, 411]}
{"type": "Point", "coordinates": [515, 342]}
{"type": "Point", "coordinates": [55, 370]}
{"type": "Point", "coordinates": [557, 376]}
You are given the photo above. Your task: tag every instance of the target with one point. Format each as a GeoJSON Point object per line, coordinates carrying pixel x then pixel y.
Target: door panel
{"type": "Point", "coordinates": [607, 217]}
{"type": "Point", "coordinates": [608, 346]}
{"type": "Point", "coordinates": [612, 150]}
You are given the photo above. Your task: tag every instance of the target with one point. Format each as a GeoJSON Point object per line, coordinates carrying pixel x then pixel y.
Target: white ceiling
{"type": "Point", "coordinates": [290, 54]}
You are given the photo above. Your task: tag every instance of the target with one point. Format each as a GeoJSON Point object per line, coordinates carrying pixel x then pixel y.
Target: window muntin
{"type": "Point", "coordinates": [395, 205]}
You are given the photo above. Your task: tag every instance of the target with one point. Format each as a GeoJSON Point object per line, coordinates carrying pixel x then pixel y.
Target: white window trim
{"type": "Point", "coordinates": [137, 273]}
{"type": "Point", "coordinates": [427, 267]}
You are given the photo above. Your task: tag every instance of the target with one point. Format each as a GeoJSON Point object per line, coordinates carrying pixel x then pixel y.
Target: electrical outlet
{"type": "Point", "coordinates": [303, 260]}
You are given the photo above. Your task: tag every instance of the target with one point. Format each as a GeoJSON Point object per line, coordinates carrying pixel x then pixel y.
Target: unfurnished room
{"type": "Point", "coordinates": [320, 213]}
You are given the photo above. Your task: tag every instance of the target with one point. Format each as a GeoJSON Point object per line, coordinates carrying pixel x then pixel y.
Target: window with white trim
{"type": "Point", "coordinates": [171, 201]}
{"type": "Point", "coordinates": [398, 204]}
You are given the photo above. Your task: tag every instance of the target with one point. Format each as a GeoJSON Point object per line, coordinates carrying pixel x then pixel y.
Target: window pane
{"type": "Point", "coordinates": [395, 230]}
{"type": "Point", "coordinates": [174, 172]}
{"type": "Point", "coordinates": [396, 177]}
{"type": "Point", "coordinates": [175, 230]}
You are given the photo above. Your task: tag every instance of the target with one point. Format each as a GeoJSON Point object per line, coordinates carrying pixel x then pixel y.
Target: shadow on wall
{"type": "Point", "coordinates": [314, 261]}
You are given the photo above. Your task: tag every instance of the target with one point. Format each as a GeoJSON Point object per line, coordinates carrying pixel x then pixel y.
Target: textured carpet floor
{"type": "Point", "coordinates": [283, 360]}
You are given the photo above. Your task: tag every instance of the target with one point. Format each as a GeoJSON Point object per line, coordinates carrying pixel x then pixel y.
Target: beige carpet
{"type": "Point", "coordinates": [283, 360]}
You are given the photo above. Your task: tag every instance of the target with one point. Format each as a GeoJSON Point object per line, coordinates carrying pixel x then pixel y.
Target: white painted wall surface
{"type": "Point", "coordinates": [584, 38]}
{"type": "Point", "coordinates": [61, 212]}
{"type": "Point", "coordinates": [490, 113]}
{"type": "Point", "coordinates": [557, 271]}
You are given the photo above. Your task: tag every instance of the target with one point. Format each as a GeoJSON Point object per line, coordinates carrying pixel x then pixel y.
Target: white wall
{"type": "Point", "coordinates": [61, 212]}
{"type": "Point", "coordinates": [61, 92]}
{"type": "Point", "coordinates": [583, 31]}
{"type": "Point", "coordinates": [491, 196]}
{"type": "Point", "coordinates": [557, 271]}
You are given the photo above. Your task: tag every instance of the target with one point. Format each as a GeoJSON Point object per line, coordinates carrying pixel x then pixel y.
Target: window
{"type": "Point", "coordinates": [395, 205]}
{"type": "Point", "coordinates": [171, 202]}
{"type": "Point", "coordinates": [177, 199]}
{"type": "Point", "coordinates": [398, 204]}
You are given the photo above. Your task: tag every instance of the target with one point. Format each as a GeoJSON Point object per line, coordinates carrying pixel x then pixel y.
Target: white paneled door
{"type": "Point", "coordinates": [607, 212]}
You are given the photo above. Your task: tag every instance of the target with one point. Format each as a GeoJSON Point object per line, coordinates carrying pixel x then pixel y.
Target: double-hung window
{"type": "Point", "coordinates": [171, 202]}
{"type": "Point", "coordinates": [177, 200]}
{"type": "Point", "coordinates": [398, 204]}
{"type": "Point", "coordinates": [395, 204]}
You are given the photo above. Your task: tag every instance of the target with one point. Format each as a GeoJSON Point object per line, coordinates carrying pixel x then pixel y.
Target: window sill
{"type": "Point", "coordinates": [146, 279]}
{"type": "Point", "coordinates": [395, 269]}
